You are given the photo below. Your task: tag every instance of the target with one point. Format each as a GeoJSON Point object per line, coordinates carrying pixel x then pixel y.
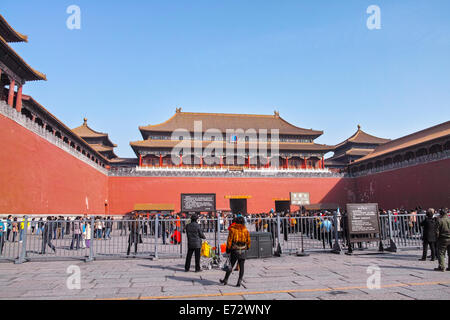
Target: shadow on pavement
{"type": "Point", "coordinates": [200, 281]}
{"type": "Point", "coordinates": [173, 268]}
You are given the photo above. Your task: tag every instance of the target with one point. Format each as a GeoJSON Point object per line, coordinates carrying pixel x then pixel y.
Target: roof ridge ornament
{"type": "Point", "coordinates": [359, 127]}
{"type": "Point", "coordinates": [276, 113]}
{"type": "Point", "coordinates": [85, 122]}
{"type": "Point", "coordinates": [178, 110]}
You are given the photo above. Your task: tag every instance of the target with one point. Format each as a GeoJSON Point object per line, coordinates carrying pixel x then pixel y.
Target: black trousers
{"type": "Point", "coordinates": [76, 238]}
{"type": "Point", "coordinates": [432, 245]}
{"type": "Point", "coordinates": [129, 247]}
{"type": "Point", "coordinates": [233, 258]}
{"type": "Point", "coordinates": [187, 266]}
{"type": "Point", "coordinates": [2, 243]}
{"type": "Point", "coordinates": [327, 238]}
{"type": "Point", "coordinates": [47, 241]}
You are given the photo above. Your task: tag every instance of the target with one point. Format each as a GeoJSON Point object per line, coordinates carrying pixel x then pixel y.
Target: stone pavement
{"type": "Point", "coordinates": [317, 276]}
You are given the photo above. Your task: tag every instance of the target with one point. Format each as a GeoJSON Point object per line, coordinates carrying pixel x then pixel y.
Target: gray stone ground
{"type": "Point", "coordinates": [321, 276]}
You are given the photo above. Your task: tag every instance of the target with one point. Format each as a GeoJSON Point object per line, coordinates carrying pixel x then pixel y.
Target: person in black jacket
{"type": "Point", "coordinates": [135, 236]}
{"type": "Point", "coordinates": [194, 236]}
{"type": "Point", "coordinates": [429, 235]}
{"type": "Point", "coordinates": [68, 226]}
{"type": "Point", "coordinates": [47, 233]}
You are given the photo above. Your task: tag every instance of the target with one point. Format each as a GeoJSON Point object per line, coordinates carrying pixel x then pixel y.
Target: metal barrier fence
{"type": "Point", "coordinates": [404, 229]}
{"type": "Point", "coordinates": [89, 239]}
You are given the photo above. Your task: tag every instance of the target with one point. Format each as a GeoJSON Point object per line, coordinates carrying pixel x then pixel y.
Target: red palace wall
{"type": "Point", "coordinates": [37, 177]}
{"type": "Point", "coordinates": [425, 185]}
{"type": "Point", "coordinates": [124, 192]}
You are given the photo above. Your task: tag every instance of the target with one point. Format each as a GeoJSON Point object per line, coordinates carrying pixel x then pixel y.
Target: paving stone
{"type": "Point", "coordinates": [111, 285]}
{"type": "Point", "coordinates": [271, 286]}
{"type": "Point", "coordinates": [12, 294]}
{"type": "Point", "coordinates": [394, 296]}
{"type": "Point", "coordinates": [428, 295]}
{"type": "Point", "coordinates": [306, 295]}
{"type": "Point", "coordinates": [133, 291]}
{"type": "Point", "coordinates": [183, 290]}
{"type": "Point", "coordinates": [50, 293]}
{"type": "Point", "coordinates": [272, 279]}
{"type": "Point", "coordinates": [148, 285]}
{"type": "Point", "coordinates": [275, 296]}
{"type": "Point", "coordinates": [111, 292]}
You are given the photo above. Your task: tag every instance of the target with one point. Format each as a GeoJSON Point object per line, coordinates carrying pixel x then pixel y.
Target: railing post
{"type": "Point", "coordinates": [336, 246]}
{"type": "Point", "coordinates": [181, 236]}
{"type": "Point", "coordinates": [218, 236]}
{"type": "Point", "coordinates": [23, 250]}
{"type": "Point", "coordinates": [91, 247]}
{"type": "Point", "coordinates": [392, 246]}
{"type": "Point", "coordinates": [156, 235]}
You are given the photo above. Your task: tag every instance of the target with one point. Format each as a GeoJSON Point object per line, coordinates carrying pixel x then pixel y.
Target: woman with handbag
{"type": "Point", "coordinates": [237, 245]}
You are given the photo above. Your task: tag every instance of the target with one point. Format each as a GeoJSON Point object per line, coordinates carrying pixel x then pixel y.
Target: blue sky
{"type": "Point", "coordinates": [132, 63]}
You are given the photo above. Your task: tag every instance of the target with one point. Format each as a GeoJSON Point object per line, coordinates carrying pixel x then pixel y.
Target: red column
{"type": "Point", "coordinates": [287, 163]}
{"type": "Point", "coordinates": [181, 160]}
{"type": "Point", "coordinates": [11, 93]}
{"type": "Point", "coordinates": [19, 99]}
{"type": "Point", "coordinates": [248, 161]}
{"type": "Point", "coordinates": [323, 163]}
{"type": "Point", "coordinates": [305, 163]}
{"type": "Point", "coordinates": [201, 162]}
{"type": "Point", "coordinates": [160, 160]}
{"type": "Point", "coordinates": [140, 160]}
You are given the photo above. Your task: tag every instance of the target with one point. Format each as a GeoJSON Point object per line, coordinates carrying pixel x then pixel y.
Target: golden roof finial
{"type": "Point", "coordinates": [276, 113]}
{"type": "Point", "coordinates": [178, 110]}
{"type": "Point", "coordinates": [85, 121]}
{"type": "Point", "coordinates": [359, 127]}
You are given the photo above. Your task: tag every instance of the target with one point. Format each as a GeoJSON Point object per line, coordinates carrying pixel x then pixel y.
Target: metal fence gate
{"type": "Point", "coordinates": [159, 237]}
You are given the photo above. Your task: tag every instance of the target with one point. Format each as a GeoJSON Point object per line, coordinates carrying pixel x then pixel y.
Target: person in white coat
{"type": "Point", "coordinates": [87, 235]}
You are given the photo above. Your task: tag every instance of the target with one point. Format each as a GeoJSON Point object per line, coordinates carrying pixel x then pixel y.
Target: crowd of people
{"type": "Point", "coordinates": [55, 228]}
{"type": "Point", "coordinates": [320, 225]}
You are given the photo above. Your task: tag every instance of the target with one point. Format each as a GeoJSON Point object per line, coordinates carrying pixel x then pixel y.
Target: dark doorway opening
{"type": "Point", "coordinates": [282, 206]}
{"type": "Point", "coordinates": [238, 206]}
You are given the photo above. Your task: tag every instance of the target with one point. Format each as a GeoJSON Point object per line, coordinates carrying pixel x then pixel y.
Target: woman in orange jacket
{"type": "Point", "coordinates": [237, 245]}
